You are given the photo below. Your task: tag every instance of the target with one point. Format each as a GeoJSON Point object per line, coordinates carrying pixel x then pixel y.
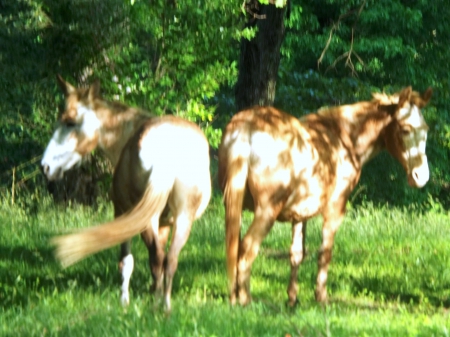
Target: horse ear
{"type": "Point", "coordinates": [404, 96]}
{"type": "Point", "coordinates": [426, 97]}
{"type": "Point", "coordinates": [66, 87]}
{"type": "Point", "coordinates": [94, 90]}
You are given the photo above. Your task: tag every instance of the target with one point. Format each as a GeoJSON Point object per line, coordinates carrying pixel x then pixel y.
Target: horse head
{"type": "Point", "coordinates": [406, 135]}
{"type": "Point", "coordinates": [77, 133]}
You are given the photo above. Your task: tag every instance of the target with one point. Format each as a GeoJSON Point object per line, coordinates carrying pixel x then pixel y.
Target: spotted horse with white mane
{"type": "Point", "coordinates": [161, 181]}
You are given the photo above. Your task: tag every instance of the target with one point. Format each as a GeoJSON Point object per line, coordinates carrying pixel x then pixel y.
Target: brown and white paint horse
{"type": "Point", "coordinates": [286, 169]}
{"type": "Point", "coordinates": [161, 180]}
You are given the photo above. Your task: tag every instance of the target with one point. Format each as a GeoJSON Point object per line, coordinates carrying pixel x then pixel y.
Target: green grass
{"type": "Point", "coordinates": [390, 276]}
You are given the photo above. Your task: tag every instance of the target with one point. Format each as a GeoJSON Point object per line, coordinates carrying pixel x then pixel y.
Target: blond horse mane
{"type": "Point", "coordinates": [379, 98]}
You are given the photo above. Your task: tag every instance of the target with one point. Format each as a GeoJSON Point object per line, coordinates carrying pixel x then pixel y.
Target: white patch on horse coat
{"type": "Point", "coordinates": [90, 122]}
{"type": "Point", "coordinates": [240, 147]}
{"type": "Point", "coordinates": [161, 150]}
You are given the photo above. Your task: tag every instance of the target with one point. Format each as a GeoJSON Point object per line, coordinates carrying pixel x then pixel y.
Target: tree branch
{"type": "Point", "coordinates": [348, 54]}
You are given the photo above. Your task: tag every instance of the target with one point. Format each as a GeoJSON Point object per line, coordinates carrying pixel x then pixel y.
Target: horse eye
{"type": "Point", "coordinates": [405, 132]}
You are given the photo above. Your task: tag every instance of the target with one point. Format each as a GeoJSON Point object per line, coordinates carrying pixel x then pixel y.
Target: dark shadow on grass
{"type": "Point", "coordinates": [32, 272]}
{"type": "Point", "coordinates": [380, 288]}
{"type": "Point", "coordinates": [384, 287]}
{"type": "Point", "coordinates": [191, 269]}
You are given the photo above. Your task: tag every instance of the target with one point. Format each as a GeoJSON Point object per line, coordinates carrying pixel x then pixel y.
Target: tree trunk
{"type": "Point", "coordinates": [260, 57]}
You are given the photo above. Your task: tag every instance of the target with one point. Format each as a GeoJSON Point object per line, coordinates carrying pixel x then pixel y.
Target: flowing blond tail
{"type": "Point", "coordinates": [74, 247]}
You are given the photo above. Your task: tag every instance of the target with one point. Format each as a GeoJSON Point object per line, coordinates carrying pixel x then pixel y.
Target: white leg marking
{"type": "Point", "coordinates": [127, 270]}
{"type": "Point", "coordinates": [322, 277]}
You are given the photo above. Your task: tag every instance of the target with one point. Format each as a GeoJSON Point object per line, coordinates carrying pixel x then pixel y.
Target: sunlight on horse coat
{"type": "Point", "coordinates": [289, 169]}
{"type": "Point", "coordinates": [161, 179]}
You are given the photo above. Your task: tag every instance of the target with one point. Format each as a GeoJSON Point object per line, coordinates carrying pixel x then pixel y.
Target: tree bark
{"type": "Point", "coordinates": [260, 57]}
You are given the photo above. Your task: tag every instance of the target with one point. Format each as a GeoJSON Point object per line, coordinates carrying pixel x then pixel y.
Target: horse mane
{"type": "Point", "coordinates": [378, 99]}
{"type": "Point", "coordinates": [117, 109]}
{"type": "Point", "coordinates": [385, 99]}
{"type": "Point", "coordinates": [358, 108]}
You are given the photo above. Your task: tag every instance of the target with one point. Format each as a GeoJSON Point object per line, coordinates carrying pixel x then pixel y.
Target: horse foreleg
{"type": "Point", "coordinates": [329, 229]}
{"type": "Point", "coordinates": [248, 250]}
{"type": "Point", "coordinates": [297, 253]}
{"type": "Point", "coordinates": [126, 265]}
{"type": "Point", "coordinates": [181, 231]}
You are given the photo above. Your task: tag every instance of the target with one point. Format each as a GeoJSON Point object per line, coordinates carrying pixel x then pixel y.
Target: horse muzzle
{"type": "Point", "coordinates": [52, 175]}
{"type": "Point", "coordinates": [419, 176]}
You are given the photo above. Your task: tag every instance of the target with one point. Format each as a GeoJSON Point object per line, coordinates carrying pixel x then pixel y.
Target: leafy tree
{"type": "Point", "coordinates": [182, 57]}
{"type": "Point", "coordinates": [338, 52]}
{"type": "Point", "coordinates": [167, 57]}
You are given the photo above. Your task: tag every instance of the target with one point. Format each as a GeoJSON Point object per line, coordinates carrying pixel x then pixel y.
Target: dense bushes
{"type": "Point", "coordinates": [181, 57]}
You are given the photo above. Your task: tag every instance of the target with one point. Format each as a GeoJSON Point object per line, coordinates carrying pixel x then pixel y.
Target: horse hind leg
{"type": "Point", "coordinates": [156, 259]}
{"type": "Point", "coordinates": [126, 260]}
{"type": "Point", "coordinates": [180, 235]}
{"type": "Point", "coordinates": [126, 266]}
{"type": "Point", "coordinates": [163, 234]}
{"type": "Point", "coordinates": [297, 253]}
{"type": "Point", "coordinates": [248, 250]}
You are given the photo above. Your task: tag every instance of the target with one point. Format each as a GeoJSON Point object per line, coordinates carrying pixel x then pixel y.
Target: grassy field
{"type": "Point", "coordinates": [390, 276]}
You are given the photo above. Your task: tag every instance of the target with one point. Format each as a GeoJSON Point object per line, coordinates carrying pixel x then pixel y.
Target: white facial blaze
{"type": "Point", "coordinates": [60, 154]}
{"type": "Point", "coordinates": [90, 123]}
{"type": "Point", "coordinates": [412, 116]}
{"type": "Point", "coordinates": [415, 144]}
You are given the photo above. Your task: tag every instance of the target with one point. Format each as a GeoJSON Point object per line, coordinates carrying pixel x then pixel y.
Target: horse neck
{"type": "Point", "coordinates": [119, 124]}
{"type": "Point", "coordinates": [367, 133]}
{"type": "Point", "coordinates": [361, 126]}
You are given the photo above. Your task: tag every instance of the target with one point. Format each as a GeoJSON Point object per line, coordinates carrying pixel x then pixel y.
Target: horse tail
{"type": "Point", "coordinates": [74, 247]}
{"type": "Point", "coordinates": [233, 173]}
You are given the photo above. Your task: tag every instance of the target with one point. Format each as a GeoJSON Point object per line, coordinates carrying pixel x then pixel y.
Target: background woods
{"type": "Point", "coordinates": [205, 60]}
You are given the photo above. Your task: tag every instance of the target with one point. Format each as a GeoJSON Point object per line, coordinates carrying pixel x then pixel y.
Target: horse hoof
{"type": "Point", "coordinates": [125, 300]}
{"type": "Point", "coordinates": [244, 299]}
{"type": "Point", "coordinates": [321, 296]}
{"type": "Point", "coordinates": [291, 303]}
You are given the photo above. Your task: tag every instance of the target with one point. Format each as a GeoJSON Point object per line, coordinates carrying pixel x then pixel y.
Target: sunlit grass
{"type": "Point", "coordinates": [390, 276]}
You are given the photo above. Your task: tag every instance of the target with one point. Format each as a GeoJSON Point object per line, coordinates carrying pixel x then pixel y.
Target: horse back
{"type": "Point", "coordinates": [165, 150]}
{"type": "Point", "coordinates": [293, 165]}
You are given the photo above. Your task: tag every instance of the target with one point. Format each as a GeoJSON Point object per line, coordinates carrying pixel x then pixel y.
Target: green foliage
{"type": "Point", "coordinates": [181, 58]}
{"type": "Point", "coordinates": [389, 277]}
{"type": "Point", "coordinates": [178, 57]}
{"type": "Point", "coordinates": [366, 46]}
{"type": "Point", "coordinates": [166, 57]}
{"type": "Point", "coordinates": [278, 3]}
